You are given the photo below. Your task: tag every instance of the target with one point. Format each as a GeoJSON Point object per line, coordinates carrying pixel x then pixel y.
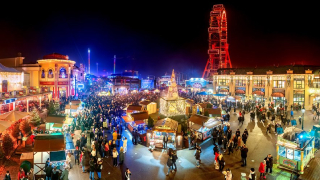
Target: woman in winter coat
{"type": "Point", "coordinates": [262, 169]}
{"type": "Point", "coordinates": [106, 149]}
{"type": "Point", "coordinates": [239, 143]}
{"type": "Point", "coordinates": [121, 156]}
{"type": "Point", "coordinates": [115, 157]}
{"type": "Point", "coordinates": [82, 161]}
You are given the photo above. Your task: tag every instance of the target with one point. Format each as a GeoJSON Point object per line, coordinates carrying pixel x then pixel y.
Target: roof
{"type": "Point", "coordinates": [166, 124]}
{"type": "Point", "coordinates": [56, 56]}
{"type": "Point", "coordinates": [139, 122]}
{"type": "Point", "coordinates": [297, 69]}
{"type": "Point", "coordinates": [198, 119]}
{"type": "Point", "coordinates": [55, 119]}
{"type": "Point", "coordinates": [13, 116]}
{"type": "Point", "coordinates": [4, 125]}
{"type": "Point", "coordinates": [126, 119]}
{"type": "Point", "coordinates": [49, 142]}
{"type": "Point", "coordinates": [140, 115]}
{"type": "Point", "coordinates": [212, 122]}
{"type": "Point", "coordinates": [204, 105]}
{"type": "Point", "coordinates": [75, 102]}
{"type": "Point", "coordinates": [134, 107]}
{"type": "Point", "coordinates": [73, 106]}
{"type": "Point", "coordinates": [212, 111]}
{"type": "Point", "coordinates": [6, 69]}
{"type": "Point", "coordinates": [190, 101]}
{"type": "Point", "coordinates": [145, 102]}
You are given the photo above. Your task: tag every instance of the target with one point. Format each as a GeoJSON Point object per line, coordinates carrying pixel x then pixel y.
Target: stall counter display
{"type": "Point", "coordinates": [158, 141]}
{"type": "Point", "coordinates": [204, 133]}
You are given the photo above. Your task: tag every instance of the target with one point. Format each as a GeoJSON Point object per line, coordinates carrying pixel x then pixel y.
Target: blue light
{"type": "Point", "coordinates": [301, 136]}
{"type": "Point", "coordinates": [197, 78]}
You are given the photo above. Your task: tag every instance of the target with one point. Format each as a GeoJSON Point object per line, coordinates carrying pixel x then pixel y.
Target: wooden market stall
{"type": "Point", "coordinates": [161, 128]}
{"type": "Point", "coordinates": [47, 146]}
{"type": "Point", "coordinates": [54, 123]}
{"type": "Point", "coordinates": [295, 148]}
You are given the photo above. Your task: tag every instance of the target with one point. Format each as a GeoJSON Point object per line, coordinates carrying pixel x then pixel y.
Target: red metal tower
{"type": "Point", "coordinates": [218, 46]}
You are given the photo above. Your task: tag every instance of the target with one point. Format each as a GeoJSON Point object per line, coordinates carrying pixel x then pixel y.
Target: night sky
{"type": "Point", "coordinates": [155, 37]}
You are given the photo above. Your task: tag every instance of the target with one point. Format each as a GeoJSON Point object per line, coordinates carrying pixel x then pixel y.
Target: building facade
{"type": "Point", "coordinates": [287, 85]}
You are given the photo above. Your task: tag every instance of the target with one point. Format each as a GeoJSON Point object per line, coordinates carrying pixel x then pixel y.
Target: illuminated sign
{"type": "Point", "coordinates": [63, 83]}
{"type": "Point", "coordinates": [147, 84]}
{"type": "Point", "coordinates": [46, 83]}
{"type": "Point", "coordinates": [289, 163]}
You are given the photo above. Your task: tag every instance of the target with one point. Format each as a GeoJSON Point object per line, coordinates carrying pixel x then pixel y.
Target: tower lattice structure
{"type": "Point", "coordinates": [218, 46]}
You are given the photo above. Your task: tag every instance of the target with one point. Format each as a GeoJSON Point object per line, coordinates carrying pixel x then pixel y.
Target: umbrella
{"type": "Point", "coordinates": [219, 95]}
{"type": "Point", "coordinates": [259, 93]}
{"type": "Point", "coordinates": [240, 91]}
{"type": "Point", "coordinates": [277, 94]}
{"type": "Point", "coordinates": [202, 93]}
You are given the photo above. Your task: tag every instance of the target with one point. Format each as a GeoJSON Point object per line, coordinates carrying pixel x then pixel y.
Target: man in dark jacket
{"type": "Point", "coordinates": [244, 152]}
{"type": "Point", "coordinates": [244, 138]}
{"type": "Point", "coordinates": [214, 136]}
{"type": "Point", "coordinates": [269, 163]}
{"type": "Point", "coordinates": [165, 141]}
{"type": "Point", "coordinates": [55, 174]}
{"type": "Point", "coordinates": [48, 171]}
{"type": "Point", "coordinates": [76, 156]}
{"type": "Point", "coordinates": [174, 159]}
{"type": "Point", "coordinates": [169, 164]}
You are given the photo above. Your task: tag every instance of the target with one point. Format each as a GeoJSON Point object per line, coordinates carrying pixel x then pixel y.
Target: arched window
{"type": "Point", "coordinates": [43, 75]}
{"type": "Point", "coordinates": [62, 73]}
{"type": "Point", "coordinates": [50, 73]}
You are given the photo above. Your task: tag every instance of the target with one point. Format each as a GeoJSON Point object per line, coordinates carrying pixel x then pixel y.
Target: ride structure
{"type": "Point", "coordinates": [218, 46]}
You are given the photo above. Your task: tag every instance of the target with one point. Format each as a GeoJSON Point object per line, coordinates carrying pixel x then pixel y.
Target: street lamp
{"type": "Point", "coordinates": [70, 109]}
{"type": "Point", "coordinates": [302, 110]}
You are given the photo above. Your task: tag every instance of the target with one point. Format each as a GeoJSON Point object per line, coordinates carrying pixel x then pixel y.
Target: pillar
{"type": "Point", "coordinates": [53, 94]}
{"type": "Point", "coordinates": [278, 161]}
{"type": "Point", "coordinates": [27, 105]}
{"type": "Point", "coordinates": [302, 165]}
{"type": "Point", "coordinates": [67, 91]}
{"type": "Point", "coordinates": [40, 102]}
{"type": "Point", "coordinates": [58, 95]}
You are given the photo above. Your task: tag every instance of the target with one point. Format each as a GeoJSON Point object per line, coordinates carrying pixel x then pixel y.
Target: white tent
{"type": "Point", "coordinates": [13, 116]}
{"type": "Point", "coordinates": [4, 125]}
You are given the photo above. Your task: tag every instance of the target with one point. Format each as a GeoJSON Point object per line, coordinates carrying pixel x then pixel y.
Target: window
{"type": "Point", "coordinates": [43, 75]}
{"type": "Point", "coordinates": [316, 82]}
{"type": "Point", "coordinates": [298, 97]}
{"type": "Point", "coordinates": [278, 82]}
{"type": "Point", "coordinates": [63, 73]}
{"type": "Point", "coordinates": [298, 82]}
{"type": "Point", "coordinates": [259, 81]}
{"type": "Point", "coordinates": [223, 81]}
{"type": "Point", "coordinates": [240, 81]}
{"type": "Point", "coordinates": [50, 73]}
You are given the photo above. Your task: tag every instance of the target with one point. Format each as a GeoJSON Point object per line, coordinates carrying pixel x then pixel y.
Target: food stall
{"type": "Point", "coordinates": [149, 106]}
{"type": "Point", "coordinates": [54, 123]}
{"type": "Point", "coordinates": [295, 148]}
{"type": "Point", "coordinates": [161, 128]}
{"type": "Point", "coordinates": [47, 146]}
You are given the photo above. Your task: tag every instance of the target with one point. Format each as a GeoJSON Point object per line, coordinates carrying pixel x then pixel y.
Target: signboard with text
{"type": "Point", "coordinates": [46, 83]}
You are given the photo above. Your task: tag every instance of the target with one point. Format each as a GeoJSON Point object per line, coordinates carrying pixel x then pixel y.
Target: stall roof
{"type": "Point", "coordinates": [166, 123]}
{"type": "Point", "coordinates": [198, 119]}
{"type": "Point", "coordinates": [195, 126]}
{"type": "Point", "coordinates": [212, 123]}
{"type": "Point", "coordinates": [139, 122]}
{"type": "Point", "coordinates": [57, 125]}
{"type": "Point", "coordinates": [190, 101]}
{"type": "Point", "coordinates": [13, 116]}
{"type": "Point", "coordinates": [49, 142]}
{"type": "Point", "coordinates": [204, 105]}
{"type": "Point", "coordinates": [145, 102]}
{"type": "Point", "coordinates": [214, 112]}
{"type": "Point", "coordinates": [76, 102]}
{"type": "Point", "coordinates": [57, 156]}
{"type": "Point", "coordinates": [140, 116]}
{"type": "Point", "coordinates": [134, 107]}
{"type": "Point", "coordinates": [127, 119]}
{"type": "Point", "coordinates": [55, 119]}
{"type": "Point", "coordinates": [73, 106]}
{"type": "Point", "coordinates": [4, 125]}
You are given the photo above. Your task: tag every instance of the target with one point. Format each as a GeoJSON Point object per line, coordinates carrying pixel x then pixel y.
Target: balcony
{"type": "Point", "coordinates": [63, 76]}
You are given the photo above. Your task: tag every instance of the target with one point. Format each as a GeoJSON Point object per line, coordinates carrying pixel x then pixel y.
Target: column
{"type": "Point", "coordinates": [40, 102]}
{"type": "Point", "coordinates": [302, 165]}
{"type": "Point", "coordinates": [278, 161]}
{"type": "Point", "coordinates": [53, 94]}
{"type": "Point", "coordinates": [27, 105]}
{"type": "Point", "coordinates": [58, 95]}
{"type": "Point", "coordinates": [67, 91]}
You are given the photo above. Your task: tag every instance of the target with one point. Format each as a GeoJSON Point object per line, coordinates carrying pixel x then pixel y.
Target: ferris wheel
{"type": "Point", "coordinates": [218, 45]}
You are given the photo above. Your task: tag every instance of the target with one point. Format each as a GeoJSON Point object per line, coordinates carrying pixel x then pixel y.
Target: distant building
{"type": "Point", "coordinates": [198, 85]}
{"type": "Point", "coordinates": [125, 81]}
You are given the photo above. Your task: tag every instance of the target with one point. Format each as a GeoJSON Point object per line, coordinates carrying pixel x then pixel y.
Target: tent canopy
{"type": "Point", "coordinates": [221, 95]}
{"type": "Point", "coordinates": [4, 125]}
{"type": "Point", "coordinates": [57, 156]}
{"type": "Point", "coordinates": [13, 116]}
{"type": "Point", "coordinates": [212, 122]}
{"type": "Point", "coordinates": [204, 93]}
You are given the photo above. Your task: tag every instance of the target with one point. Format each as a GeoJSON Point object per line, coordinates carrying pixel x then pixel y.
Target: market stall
{"type": "Point", "coordinates": [195, 123]}
{"type": "Point", "coordinates": [161, 128]}
{"type": "Point", "coordinates": [54, 123]}
{"type": "Point", "coordinates": [295, 148]}
{"type": "Point", "coordinates": [47, 146]}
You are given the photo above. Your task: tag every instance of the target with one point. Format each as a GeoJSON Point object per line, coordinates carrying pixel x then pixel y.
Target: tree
{"type": "Point", "coordinates": [150, 122]}
{"type": "Point", "coordinates": [25, 127]}
{"type": "Point", "coordinates": [51, 109]}
{"type": "Point", "coordinates": [209, 105]}
{"type": "Point", "coordinates": [15, 131]}
{"type": "Point", "coordinates": [7, 144]}
{"type": "Point", "coordinates": [35, 119]}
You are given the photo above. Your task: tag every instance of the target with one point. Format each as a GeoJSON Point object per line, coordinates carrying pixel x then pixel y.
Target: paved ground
{"type": "Point", "coordinates": [146, 165]}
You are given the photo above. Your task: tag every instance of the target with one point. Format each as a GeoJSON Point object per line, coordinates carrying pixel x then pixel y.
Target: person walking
{"type": "Point", "coordinates": [262, 170]}
{"type": "Point", "coordinates": [169, 164]}
{"type": "Point", "coordinates": [7, 176]}
{"type": "Point", "coordinates": [244, 152]}
{"type": "Point", "coordinates": [92, 167]}
{"type": "Point", "coordinates": [269, 163]}
{"type": "Point", "coordinates": [76, 155]}
{"type": "Point", "coordinates": [99, 168]}
{"type": "Point", "coordinates": [48, 171]}
{"type": "Point", "coordinates": [228, 175]}
{"type": "Point", "coordinates": [82, 161]}
{"type": "Point", "coordinates": [121, 156]}
{"type": "Point", "coordinates": [230, 146]}
{"type": "Point", "coordinates": [214, 136]}
{"type": "Point", "coordinates": [197, 157]}
{"type": "Point", "coordinates": [127, 174]}
{"type": "Point", "coordinates": [65, 174]}
{"type": "Point", "coordinates": [252, 174]}
{"type": "Point", "coordinates": [221, 162]}
{"type": "Point", "coordinates": [55, 174]}
{"type": "Point", "coordinates": [115, 157]}
{"type": "Point", "coordinates": [174, 159]}
{"type": "Point", "coordinates": [244, 138]}
{"type": "Point", "coordinates": [165, 141]}
{"type": "Point", "coordinates": [124, 144]}
{"type": "Point", "coordinates": [239, 143]}
{"type": "Point", "coordinates": [220, 141]}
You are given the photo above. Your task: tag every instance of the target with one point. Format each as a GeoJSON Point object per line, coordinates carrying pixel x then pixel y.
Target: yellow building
{"type": "Point", "coordinates": [296, 85]}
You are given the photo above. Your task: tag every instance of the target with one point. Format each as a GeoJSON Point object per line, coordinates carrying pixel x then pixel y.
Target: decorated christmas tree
{"type": "Point", "coordinates": [173, 88]}
{"type": "Point", "coordinates": [35, 119]}
{"type": "Point", "coordinates": [15, 131]}
{"type": "Point", "coordinates": [7, 144]}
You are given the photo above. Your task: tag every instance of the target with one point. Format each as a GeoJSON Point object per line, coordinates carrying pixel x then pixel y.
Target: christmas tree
{"type": "Point", "coordinates": [7, 144]}
{"type": "Point", "coordinates": [15, 131]}
{"type": "Point", "coordinates": [25, 127]}
{"type": "Point", "coordinates": [35, 119]}
{"type": "Point", "coordinates": [173, 88]}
